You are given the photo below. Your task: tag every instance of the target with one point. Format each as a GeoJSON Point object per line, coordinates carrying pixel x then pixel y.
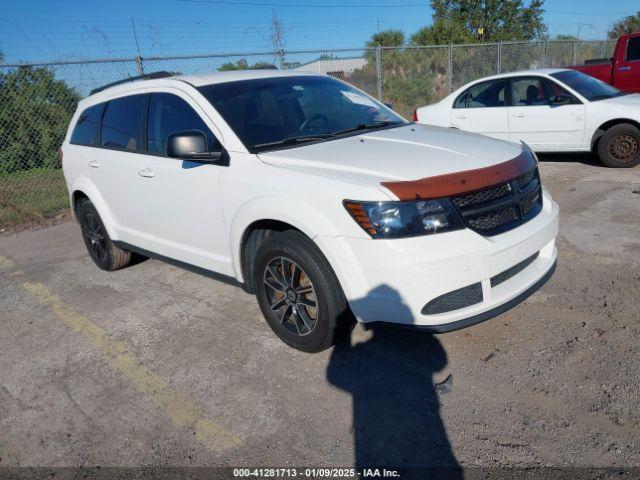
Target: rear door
{"type": "Point", "coordinates": [536, 120]}
{"type": "Point", "coordinates": [112, 167]}
{"type": "Point", "coordinates": [182, 206]}
{"type": "Point", "coordinates": [482, 108]}
{"type": "Point", "coordinates": [627, 70]}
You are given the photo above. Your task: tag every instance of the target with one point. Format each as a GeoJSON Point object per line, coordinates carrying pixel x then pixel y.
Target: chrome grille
{"type": "Point", "coordinates": [502, 207]}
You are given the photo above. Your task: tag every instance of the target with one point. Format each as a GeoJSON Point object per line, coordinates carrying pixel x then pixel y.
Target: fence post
{"type": "Point", "coordinates": [450, 69]}
{"type": "Point", "coordinates": [602, 45]}
{"type": "Point", "coordinates": [575, 54]}
{"type": "Point", "coordinates": [139, 66]}
{"type": "Point", "coordinates": [499, 63]}
{"type": "Point", "coordinates": [379, 71]}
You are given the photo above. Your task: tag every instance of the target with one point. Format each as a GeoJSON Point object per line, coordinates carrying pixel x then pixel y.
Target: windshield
{"type": "Point", "coordinates": [590, 88]}
{"type": "Point", "coordinates": [280, 112]}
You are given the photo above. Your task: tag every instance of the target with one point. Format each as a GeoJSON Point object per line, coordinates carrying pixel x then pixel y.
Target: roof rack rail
{"type": "Point", "coordinates": [146, 76]}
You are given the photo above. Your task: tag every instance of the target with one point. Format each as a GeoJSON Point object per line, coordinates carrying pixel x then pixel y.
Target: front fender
{"type": "Point", "coordinates": [294, 211]}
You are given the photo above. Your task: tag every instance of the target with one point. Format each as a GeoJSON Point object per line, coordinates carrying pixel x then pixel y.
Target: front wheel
{"type": "Point", "coordinates": [298, 292]}
{"type": "Point", "coordinates": [619, 147]}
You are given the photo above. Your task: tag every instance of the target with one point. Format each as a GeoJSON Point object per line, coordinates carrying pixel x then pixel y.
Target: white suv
{"type": "Point", "coordinates": [314, 196]}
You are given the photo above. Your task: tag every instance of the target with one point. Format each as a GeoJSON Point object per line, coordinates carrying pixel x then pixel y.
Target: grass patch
{"type": "Point", "coordinates": [31, 197]}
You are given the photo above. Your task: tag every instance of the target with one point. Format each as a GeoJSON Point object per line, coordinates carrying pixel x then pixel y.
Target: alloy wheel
{"type": "Point", "coordinates": [95, 237]}
{"type": "Point", "coordinates": [291, 295]}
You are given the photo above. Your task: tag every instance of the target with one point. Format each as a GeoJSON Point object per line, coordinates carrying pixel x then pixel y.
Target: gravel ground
{"type": "Point", "coordinates": [154, 365]}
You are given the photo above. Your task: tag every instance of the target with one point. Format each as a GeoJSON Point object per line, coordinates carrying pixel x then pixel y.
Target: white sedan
{"type": "Point", "coordinates": [552, 110]}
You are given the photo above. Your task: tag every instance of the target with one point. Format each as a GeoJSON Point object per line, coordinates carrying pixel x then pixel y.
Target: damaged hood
{"type": "Point", "coordinates": [397, 154]}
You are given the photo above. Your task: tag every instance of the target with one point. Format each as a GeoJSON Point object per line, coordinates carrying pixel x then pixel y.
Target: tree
{"type": "Point", "coordinates": [460, 21]}
{"type": "Point", "coordinates": [387, 38]}
{"type": "Point", "coordinates": [563, 36]}
{"type": "Point", "coordinates": [242, 64]}
{"type": "Point", "coordinates": [442, 32]}
{"type": "Point", "coordinates": [630, 24]}
{"type": "Point", "coordinates": [35, 113]}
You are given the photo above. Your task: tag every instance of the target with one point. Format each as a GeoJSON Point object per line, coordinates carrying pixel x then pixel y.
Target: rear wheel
{"type": "Point", "coordinates": [100, 247]}
{"type": "Point", "coordinates": [298, 292]}
{"type": "Point", "coordinates": [619, 147]}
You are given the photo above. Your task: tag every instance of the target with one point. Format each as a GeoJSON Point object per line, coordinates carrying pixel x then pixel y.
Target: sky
{"type": "Point", "coordinates": [42, 30]}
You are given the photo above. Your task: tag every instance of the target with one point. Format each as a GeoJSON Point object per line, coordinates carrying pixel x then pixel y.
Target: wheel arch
{"type": "Point", "coordinates": [83, 188]}
{"type": "Point", "coordinates": [606, 126]}
{"type": "Point", "coordinates": [255, 221]}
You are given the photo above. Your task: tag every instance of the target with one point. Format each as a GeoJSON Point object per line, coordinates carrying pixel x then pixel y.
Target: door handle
{"type": "Point", "coordinates": [624, 69]}
{"type": "Point", "coordinates": [147, 173]}
{"type": "Point", "coordinates": [461, 117]}
{"type": "Point", "coordinates": [93, 164]}
{"type": "Point", "coordinates": [518, 115]}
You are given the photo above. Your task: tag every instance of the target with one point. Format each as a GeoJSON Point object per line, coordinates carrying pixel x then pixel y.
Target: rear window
{"type": "Point", "coordinates": [483, 95]}
{"type": "Point", "coordinates": [86, 130]}
{"type": "Point", "coordinates": [121, 123]}
{"type": "Point", "coordinates": [633, 49]}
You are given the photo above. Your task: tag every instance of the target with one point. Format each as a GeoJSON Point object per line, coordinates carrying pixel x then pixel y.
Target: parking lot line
{"type": "Point", "coordinates": [182, 411]}
{"type": "Point", "coordinates": [5, 263]}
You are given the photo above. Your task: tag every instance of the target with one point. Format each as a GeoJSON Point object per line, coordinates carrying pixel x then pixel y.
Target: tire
{"type": "Point", "coordinates": [619, 147]}
{"type": "Point", "coordinates": [100, 247]}
{"type": "Point", "coordinates": [309, 280]}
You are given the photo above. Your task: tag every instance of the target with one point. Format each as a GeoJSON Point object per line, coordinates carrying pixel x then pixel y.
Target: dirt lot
{"type": "Point", "coordinates": [153, 365]}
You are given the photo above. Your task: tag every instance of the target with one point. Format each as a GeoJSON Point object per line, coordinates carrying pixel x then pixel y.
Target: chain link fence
{"type": "Point", "coordinates": [37, 100]}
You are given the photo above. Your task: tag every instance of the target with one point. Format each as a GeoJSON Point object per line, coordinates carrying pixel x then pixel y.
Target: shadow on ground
{"type": "Point", "coordinates": [396, 411]}
{"type": "Point", "coordinates": [578, 157]}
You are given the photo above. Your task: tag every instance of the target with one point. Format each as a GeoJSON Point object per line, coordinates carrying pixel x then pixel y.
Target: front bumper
{"type": "Point", "coordinates": [391, 281]}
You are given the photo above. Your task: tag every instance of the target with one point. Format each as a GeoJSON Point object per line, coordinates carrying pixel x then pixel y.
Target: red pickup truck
{"type": "Point", "coordinates": [622, 70]}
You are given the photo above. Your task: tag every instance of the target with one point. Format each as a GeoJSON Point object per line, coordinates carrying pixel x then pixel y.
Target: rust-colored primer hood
{"type": "Point", "coordinates": [463, 182]}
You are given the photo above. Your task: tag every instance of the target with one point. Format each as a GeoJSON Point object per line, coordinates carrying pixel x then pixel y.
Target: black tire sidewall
{"type": "Point", "coordinates": [85, 207]}
{"type": "Point", "coordinates": [329, 296]}
{"type": "Point", "coordinates": [603, 146]}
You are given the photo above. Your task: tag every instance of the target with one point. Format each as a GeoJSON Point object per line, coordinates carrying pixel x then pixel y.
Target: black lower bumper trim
{"type": "Point", "coordinates": [481, 317]}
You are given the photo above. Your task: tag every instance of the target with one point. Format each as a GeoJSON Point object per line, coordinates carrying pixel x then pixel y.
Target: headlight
{"type": "Point", "coordinates": [404, 219]}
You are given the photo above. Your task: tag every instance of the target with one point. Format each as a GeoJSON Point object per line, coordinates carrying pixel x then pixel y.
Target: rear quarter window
{"type": "Point", "coordinates": [86, 130]}
{"type": "Point", "coordinates": [633, 49]}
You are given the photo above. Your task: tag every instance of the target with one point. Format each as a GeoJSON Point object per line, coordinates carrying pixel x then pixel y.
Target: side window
{"type": "Point", "coordinates": [633, 49]}
{"type": "Point", "coordinates": [86, 130]}
{"type": "Point", "coordinates": [529, 91]}
{"type": "Point", "coordinates": [169, 114]}
{"type": "Point", "coordinates": [121, 123]}
{"type": "Point", "coordinates": [484, 95]}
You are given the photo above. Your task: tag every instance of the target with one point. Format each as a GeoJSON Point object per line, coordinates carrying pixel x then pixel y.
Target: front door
{"type": "Point", "coordinates": [627, 72]}
{"type": "Point", "coordinates": [183, 210]}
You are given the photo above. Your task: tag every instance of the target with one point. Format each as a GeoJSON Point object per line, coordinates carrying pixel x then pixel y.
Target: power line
{"type": "Point", "coordinates": [306, 5]}
{"type": "Point", "coordinates": [599, 14]}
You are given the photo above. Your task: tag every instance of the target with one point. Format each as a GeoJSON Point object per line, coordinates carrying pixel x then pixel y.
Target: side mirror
{"type": "Point", "coordinates": [562, 100]}
{"type": "Point", "coordinates": [191, 145]}
{"type": "Point", "coordinates": [388, 105]}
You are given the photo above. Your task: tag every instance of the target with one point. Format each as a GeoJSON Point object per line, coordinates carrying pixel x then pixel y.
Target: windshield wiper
{"type": "Point", "coordinates": [292, 140]}
{"type": "Point", "coordinates": [366, 126]}
{"type": "Point", "coordinates": [323, 136]}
